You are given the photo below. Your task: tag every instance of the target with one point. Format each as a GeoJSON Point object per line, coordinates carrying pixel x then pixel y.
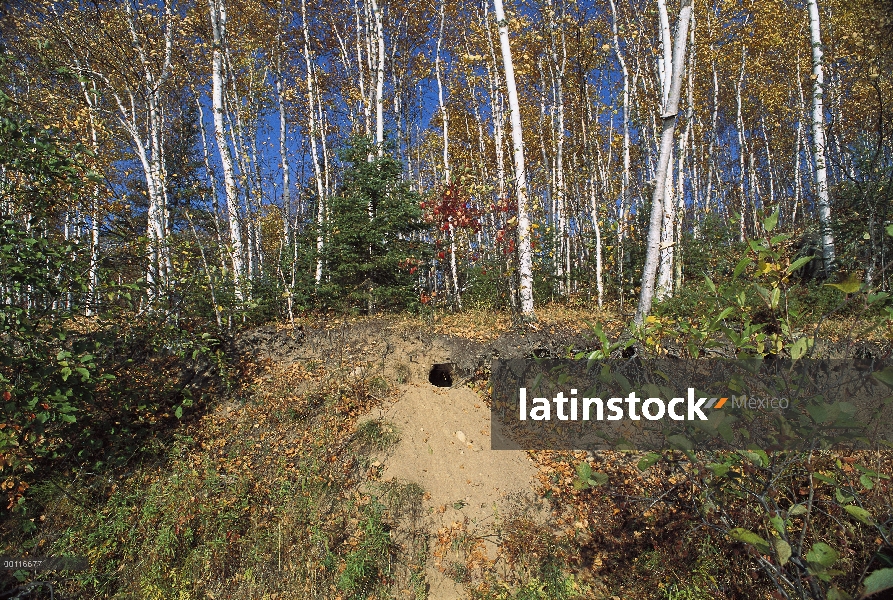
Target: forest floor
{"type": "Point", "coordinates": [334, 469]}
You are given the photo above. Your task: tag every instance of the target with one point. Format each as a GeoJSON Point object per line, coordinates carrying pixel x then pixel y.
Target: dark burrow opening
{"type": "Point", "coordinates": [441, 375]}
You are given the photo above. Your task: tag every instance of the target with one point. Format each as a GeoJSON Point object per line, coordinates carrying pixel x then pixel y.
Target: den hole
{"type": "Point", "coordinates": [441, 375]}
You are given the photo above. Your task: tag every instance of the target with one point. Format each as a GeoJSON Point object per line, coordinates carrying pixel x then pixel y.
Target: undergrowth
{"type": "Point", "coordinates": [259, 497]}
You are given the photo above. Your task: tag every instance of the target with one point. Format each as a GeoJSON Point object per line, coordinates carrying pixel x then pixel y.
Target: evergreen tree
{"type": "Point", "coordinates": [373, 248]}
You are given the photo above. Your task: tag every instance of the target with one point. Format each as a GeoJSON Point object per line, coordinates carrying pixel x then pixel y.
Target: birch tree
{"type": "Point", "coordinates": [217, 10]}
{"type": "Point", "coordinates": [314, 151]}
{"type": "Point", "coordinates": [525, 259]}
{"type": "Point", "coordinates": [379, 78]}
{"type": "Point", "coordinates": [624, 176]}
{"type": "Point", "coordinates": [668, 118]}
{"type": "Point", "coordinates": [667, 243]}
{"type": "Point", "coordinates": [818, 137]}
{"type": "Point", "coordinates": [447, 173]}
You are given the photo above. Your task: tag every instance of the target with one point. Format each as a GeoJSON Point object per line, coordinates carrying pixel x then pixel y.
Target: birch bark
{"type": "Point", "coordinates": [818, 137]}
{"type": "Point", "coordinates": [447, 173]}
{"type": "Point", "coordinates": [624, 178]}
{"type": "Point", "coordinates": [217, 8]}
{"type": "Point", "coordinates": [379, 79]}
{"type": "Point", "coordinates": [283, 135]}
{"type": "Point", "coordinates": [668, 116]}
{"type": "Point", "coordinates": [525, 258]}
{"type": "Point", "coordinates": [314, 151]}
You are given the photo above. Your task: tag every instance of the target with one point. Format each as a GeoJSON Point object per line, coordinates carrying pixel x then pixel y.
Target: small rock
{"type": "Point", "coordinates": [461, 437]}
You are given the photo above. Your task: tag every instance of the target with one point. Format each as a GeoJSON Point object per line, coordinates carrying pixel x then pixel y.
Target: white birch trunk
{"type": "Point", "coordinates": [150, 150]}
{"type": "Point", "coordinates": [379, 79]}
{"type": "Point", "coordinates": [314, 151]}
{"type": "Point", "coordinates": [668, 115]}
{"type": "Point", "coordinates": [91, 97]}
{"type": "Point", "coordinates": [739, 120]}
{"type": "Point", "coordinates": [624, 178]}
{"type": "Point", "coordinates": [447, 173]}
{"type": "Point", "coordinates": [667, 243]}
{"type": "Point", "coordinates": [818, 137]}
{"type": "Point", "coordinates": [525, 258]}
{"type": "Point", "coordinates": [769, 165]}
{"type": "Point", "coordinates": [361, 77]}
{"type": "Point", "coordinates": [283, 137]}
{"type": "Point", "coordinates": [218, 28]}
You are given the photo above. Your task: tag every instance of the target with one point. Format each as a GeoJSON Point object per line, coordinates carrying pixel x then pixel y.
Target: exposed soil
{"type": "Point", "coordinates": [444, 432]}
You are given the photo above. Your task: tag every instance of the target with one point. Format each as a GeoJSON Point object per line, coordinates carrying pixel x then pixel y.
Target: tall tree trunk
{"type": "Point", "coordinates": [91, 97]}
{"type": "Point", "coordinates": [447, 173]}
{"type": "Point", "coordinates": [684, 139]}
{"type": "Point", "coordinates": [218, 27]}
{"type": "Point", "coordinates": [742, 197]}
{"type": "Point", "coordinates": [525, 258]}
{"type": "Point", "coordinates": [668, 116]}
{"type": "Point", "coordinates": [818, 135]}
{"type": "Point", "coordinates": [314, 151]}
{"type": "Point", "coordinates": [712, 170]}
{"type": "Point", "coordinates": [667, 243]}
{"type": "Point", "coordinates": [379, 79]}
{"type": "Point", "coordinates": [151, 152]}
{"type": "Point", "coordinates": [769, 166]}
{"type": "Point", "coordinates": [624, 178]}
{"type": "Point", "coordinates": [283, 138]}
{"type": "Point", "coordinates": [361, 77]}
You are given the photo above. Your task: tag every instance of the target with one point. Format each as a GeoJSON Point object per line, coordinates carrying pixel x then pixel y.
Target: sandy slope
{"type": "Point", "coordinates": [445, 448]}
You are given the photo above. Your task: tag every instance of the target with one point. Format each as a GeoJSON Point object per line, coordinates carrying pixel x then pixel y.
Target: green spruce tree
{"type": "Point", "coordinates": [373, 246]}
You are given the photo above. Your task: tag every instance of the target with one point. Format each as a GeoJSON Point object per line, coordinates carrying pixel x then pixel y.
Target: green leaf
{"type": "Point", "coordinates": [178, 412]}
{"type": "Point", "coordinates": [710, 284]}
{"type": "Point", "coordinates": [835, 593]}
{"type": "Point", "coordinates": [597, 478]}
{"type": "Point", "coordinates": [747, 536]}
{"type": "Point", "coordinates": [719, 469]}
{"type": "Point", "coordinates": [771, 221]}
{"type": "Point", "coordinates": [648, 461]}
{"type": "Point", "coordinates": [783, 549]}
{"type": "Point", "coordinates": [584, 470]}
{"type": "Point", "coordinates": [777, 523]}
{"type": "Point", "coordinates": [850, 285]}
{"type": "Point", "coordinates": [889, 229]}
{"type": "Point", "coordinates": [824, 478]}
{"type": "Point", "coordinates": [757, 457]}
{"type": "Point", "coordinates": [859, 513]}
{"type": "Point", "coordinates": [799, 348]}
{"type": "Point", "coordinates": [798, 263]}
{"type": "Point", "coordinates": [739, 268]}
{"type": "Point", "coordinates": [866, 482]}
{"type": "Point", "coordinates": [882, 579]}
{"type": "Point", "coordinates": [822, 554]}
{"type": "Point", "coordinates": [725, 313]}
{"type": "Point", "coordinates": [841, 497]}
{"type": "Point", "coordinates": [797, 509]}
